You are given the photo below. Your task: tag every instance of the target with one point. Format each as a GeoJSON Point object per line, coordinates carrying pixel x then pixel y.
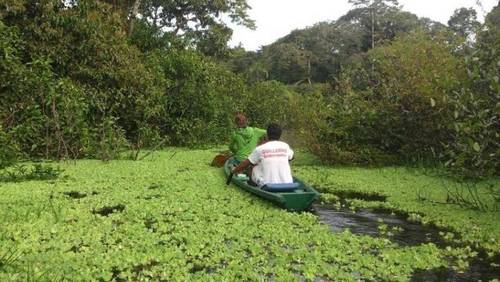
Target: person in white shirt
{"type": "Point", "coordinates": [270, 160]}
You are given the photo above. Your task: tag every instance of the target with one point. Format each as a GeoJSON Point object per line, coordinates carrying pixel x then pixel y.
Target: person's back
{"type": "Point", "coordinates": [244, 139]}
{"type": "Point", "coordinates": [271, 162]}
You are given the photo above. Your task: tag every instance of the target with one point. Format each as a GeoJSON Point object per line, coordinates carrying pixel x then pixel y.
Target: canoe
{"type": "Point", "coordinates": [297, 200]}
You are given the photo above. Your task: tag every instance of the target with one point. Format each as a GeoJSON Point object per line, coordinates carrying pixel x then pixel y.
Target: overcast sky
{"type": "Point", "coordinates": [276, 18]}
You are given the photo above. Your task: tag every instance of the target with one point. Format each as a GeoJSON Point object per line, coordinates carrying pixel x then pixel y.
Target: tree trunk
{"type": "Point", "coordinates": [373, 27]}
{"type": "Point", "coordinates": [133, 16]}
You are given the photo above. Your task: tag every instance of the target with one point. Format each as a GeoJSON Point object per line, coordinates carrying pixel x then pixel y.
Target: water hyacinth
{"type": "Point", "coordinates": [173, 218]}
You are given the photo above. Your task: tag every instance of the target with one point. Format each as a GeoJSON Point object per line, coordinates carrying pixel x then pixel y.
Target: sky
{"type": "Point", "coordinates": [277, 18]}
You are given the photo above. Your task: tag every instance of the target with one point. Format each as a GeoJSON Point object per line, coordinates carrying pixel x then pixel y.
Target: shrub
{"type": "Point", "coordinates": [475, 148]}
{"type": "Point", "coordinates": [200, 97]}
{"type": "Point", "coordinates": [413, 78]}
{"type": "Point", "coordinates": [400, 113]}
{"type": "Point", "coordinates": [69, 76]}
{"type": "Point", "coordinates": [8, 150]}
{"type": "Point", "coordinates": [266, 102]}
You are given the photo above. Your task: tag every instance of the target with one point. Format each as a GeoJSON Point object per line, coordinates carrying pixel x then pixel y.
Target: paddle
{"type": "Point", "coordinates": [220, 160]}
{"type": "Point", "coordinates": [229, 178]}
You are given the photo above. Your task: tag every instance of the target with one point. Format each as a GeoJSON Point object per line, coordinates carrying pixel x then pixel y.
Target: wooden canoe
{"type": "Point", "coordinates": [298, 200]}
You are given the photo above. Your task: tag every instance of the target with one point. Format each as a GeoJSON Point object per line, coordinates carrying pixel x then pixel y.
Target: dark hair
{"type": "Point", "coordinates": [273, 131]}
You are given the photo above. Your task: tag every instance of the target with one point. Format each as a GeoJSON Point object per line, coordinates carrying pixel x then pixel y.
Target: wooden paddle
{"type": "Point", "coordinates": [229, 178]}
{"type": "Point", "coordinates": [220, 160]}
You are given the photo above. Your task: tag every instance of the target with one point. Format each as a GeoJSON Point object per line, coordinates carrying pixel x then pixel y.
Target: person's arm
{"type": "Point", "coordinates": [241, 166]}
{"type": "Point", "coordinates": [291, 154]}
{"type": "Point", "coordinates": [262, 136]}
{"type": "Point", "coordinates": [253, 159]}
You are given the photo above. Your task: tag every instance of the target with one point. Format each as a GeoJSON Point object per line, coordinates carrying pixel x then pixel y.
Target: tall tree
{"type": "Point", "coordinates": [464, 22]}
{"type": "Point", "coordinates": [128, 8]}
{"type": "Point", "coordinates": [196, 22]}
{"type": "Point", "coordinates": [375, 9]}
{"type": "Point", "coordinates": [133, 16]}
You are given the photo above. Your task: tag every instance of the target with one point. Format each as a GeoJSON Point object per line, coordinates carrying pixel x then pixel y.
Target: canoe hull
{"type": "Point", "coordinates": [297, 200]}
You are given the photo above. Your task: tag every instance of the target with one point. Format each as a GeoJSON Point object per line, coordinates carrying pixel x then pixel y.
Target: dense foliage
{"type": "Point", "coordinates": [83, 87]}
{"type": "Point", "coordinates": [475, 149]}
{"type": "Point", "coordinates": [74, 85]}
{"type": "Point", "coordinates": [89, 78]}
{"type": "Point", "coordinates": [378, 86]}
{"type": "Point", "coordinates": [422, 97]}
{"type": "Point", "coordinates": [401, 108]}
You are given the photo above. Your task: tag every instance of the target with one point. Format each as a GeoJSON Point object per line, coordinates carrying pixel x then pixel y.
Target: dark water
{"type": "Point", "coordinates": [405, 233]}
{"type": "Point", "coordinates": [367, 222]}
{"type": "Point", "coordinates": [479, 270]}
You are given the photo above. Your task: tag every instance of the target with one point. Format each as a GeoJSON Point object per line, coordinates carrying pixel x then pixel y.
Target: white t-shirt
{"type": "Point", "coordinates": [271, 163]}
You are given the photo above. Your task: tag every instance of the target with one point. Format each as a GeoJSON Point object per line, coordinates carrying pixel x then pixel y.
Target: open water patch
{"type": "Point", "coordinates": [155, 186]}
{"type": "Point", "coordinates": [377, 223]}
{"type": "Point", "coordinates": [107, 210]}
{"type": "Point", "coordinates": [480, 269]}
{"type": "Point", "coordinates": [369, 197]}
{"type": "Point", "coordinates": [395, 227]}
{"type": "Point", "coordinates": [151, 224]}
{"type": "Point", "coordinates": [75, 194]}
{"type": "Point", "coordinates": [150, 197]}
{"type": "Point", "coordinates": [78, 195]}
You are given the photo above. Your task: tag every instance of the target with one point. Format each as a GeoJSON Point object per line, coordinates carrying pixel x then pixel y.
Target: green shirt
{"type": "Point", "coordinates": [244, 140]}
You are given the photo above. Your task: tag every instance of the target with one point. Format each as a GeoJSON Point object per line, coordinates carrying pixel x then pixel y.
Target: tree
{"type": "Point", "coordinates": [74, 84]}
{"type": "Point", "coordinates": [213, 41]}
{"type": "Point", "coordinates": [196, 22]}
{"type": "Point", "coordinates": [129, 10]}
{"type": "Point", "coordinates": [414, 75]}
{"type": "Point", "coordinates": [474, 151]}
{"type": "Point", "coordinates": [464, 22]}
{"type": "Point", "coordinates": [375, 8]}
{"type": "Point", "coordinates": [288, 62]}
{"type": "Point", "coordinates": [250, 64]}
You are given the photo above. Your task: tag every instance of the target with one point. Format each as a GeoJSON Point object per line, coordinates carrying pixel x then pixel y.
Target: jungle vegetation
{"type": "Point", "coordinates": [378, 86]}
{"type": "Point", "coordinates": [387, 112]}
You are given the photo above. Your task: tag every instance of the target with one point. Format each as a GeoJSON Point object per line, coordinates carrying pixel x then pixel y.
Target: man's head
{"type": "Point", "coordinates": [240, 120]}
{"type": "Point", "coordinates": [273, 132]}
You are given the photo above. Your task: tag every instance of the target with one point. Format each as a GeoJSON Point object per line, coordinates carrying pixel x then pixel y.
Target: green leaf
{"type": "Point", "coordinates": [476, 147]}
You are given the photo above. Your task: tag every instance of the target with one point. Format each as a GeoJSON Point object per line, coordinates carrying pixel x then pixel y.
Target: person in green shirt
{"type": "Point", "coordinates": [245, 138]}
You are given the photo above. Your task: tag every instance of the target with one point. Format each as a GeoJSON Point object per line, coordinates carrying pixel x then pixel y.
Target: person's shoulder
{"type": "Point", "coordinates": [282, 143]}
{"type": "Point", "coordinates": [285, 145]}
{"type": "Point", "coordinates": [260, 147]}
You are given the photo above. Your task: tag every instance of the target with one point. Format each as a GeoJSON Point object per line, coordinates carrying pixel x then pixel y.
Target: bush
{"type": "Point", "coordinates": [474, 151]}
{"type": "Point", "coordinates": [402, 110]}
{"type": "Point", "coordinates": [341, 129]}
{"type": "Point", "coordinates": [266, 102]}
{"type": "Point", "coordinates": [73, 86]}
{"type": "Point", "coordinates": [413, 78]}
{"type": "Point", "coordinates": [8, 150]}
{"type": "Point", "coordinates": [200, 97]}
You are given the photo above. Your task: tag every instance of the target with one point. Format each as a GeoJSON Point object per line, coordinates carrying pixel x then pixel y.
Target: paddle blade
{"type": "Point", "coordinates": [219, 160]}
